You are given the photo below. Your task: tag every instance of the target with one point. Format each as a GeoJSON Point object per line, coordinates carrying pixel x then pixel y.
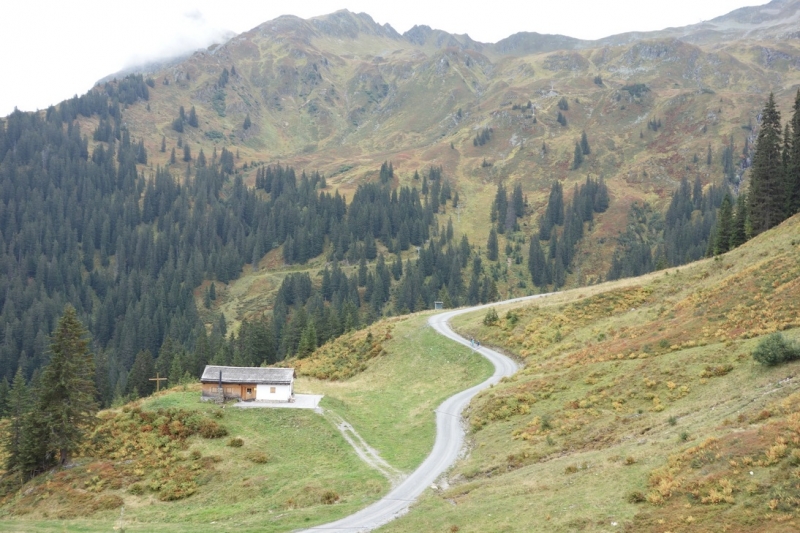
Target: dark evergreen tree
{"type": "Point", "coordinates": [537, 264]}
{"type": "Point", "coordinates": [247, 123]}
{"type": "Point", "coordinates": [585, 144]}
{"type": "Point", "coordinates": [492, 246]}
{"type": "Point", "coordinates": [739, 228]}
{"type": "Point", "coordinates": [792, 172]}
{"type": "Point", "coordinates": [766, 196]}
{"type": "Point", "coordinates": [192, 120]}
{"type": "Point", "coordinates": [577, 160]}
{"type": "Point", "coordinates": [187, 153]}
{"type": "Point", "coordinates": [163, 144]}
{"type": "Point", "coordinates": [724, 228]}
{"type": "Point", "coordinates": [139, 384]}
{"type": "Point", "coordinates": [67, 405]}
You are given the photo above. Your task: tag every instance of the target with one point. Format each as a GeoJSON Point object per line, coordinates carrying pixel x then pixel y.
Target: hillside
{"type": "Point", "coordinates": [265, 200]}
{"type": "Point", "coordinates": [170, 461]}
{"type": "Point", "coordinates": [341, 94]}
{"type": "Point", "coordinates": [640, 406]}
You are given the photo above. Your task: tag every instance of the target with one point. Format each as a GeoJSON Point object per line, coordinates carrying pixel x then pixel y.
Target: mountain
{"type": "Point", "coordinates": [265, 196]}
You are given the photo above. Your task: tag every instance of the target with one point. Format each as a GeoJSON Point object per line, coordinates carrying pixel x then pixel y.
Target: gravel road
{"type": "Point", "coordinates": [446, 449]}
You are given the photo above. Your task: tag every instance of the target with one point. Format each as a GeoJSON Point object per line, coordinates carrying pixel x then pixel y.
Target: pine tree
{"type": "Point", "coordinates": [17, 408]}
{"type": "Point", "coordinates": [163, 144]}
{"type": "Point", "coordinates": [793, 168]}
{"type": "Point", "coordinates": [585, 144]}
{"type": "Point", "coordinates": [767, 186]}
{"type": "Point", "coordinates": [722, 239]}
{"type": "Point", "coordinates": [537, 264]}
{"type": "Point", "coordinates": [187, 153]}
{"type": "Point", "coordinates": [491, 246]}
{"type": "Point", "coordinates": [67, 405]}
{"type": "Point", "coordinates": [192, 117]}
{"type": "Point", "coordinates": [139, 384]}
{"type": "Point", "coordinates": [578, 158]}
{"type": "Point", "coordinates": [739, 227]}
{"type": "Point", "coordinates": [247, 122]}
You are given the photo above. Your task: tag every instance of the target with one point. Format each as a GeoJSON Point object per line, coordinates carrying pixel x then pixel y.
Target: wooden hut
{"type": "Point", "coordinates": [248, 383]}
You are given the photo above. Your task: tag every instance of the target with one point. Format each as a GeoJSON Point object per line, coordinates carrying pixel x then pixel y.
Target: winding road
{"type": "Point", "coordinates": [446, 448]}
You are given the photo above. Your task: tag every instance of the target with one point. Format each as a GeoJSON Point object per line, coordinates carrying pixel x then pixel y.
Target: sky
{"type": "Point", "coordinates": [51, 50]}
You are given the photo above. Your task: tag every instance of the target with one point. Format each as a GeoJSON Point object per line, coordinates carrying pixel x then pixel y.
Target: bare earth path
{"type": "Point", "coordinates": [448, 444]}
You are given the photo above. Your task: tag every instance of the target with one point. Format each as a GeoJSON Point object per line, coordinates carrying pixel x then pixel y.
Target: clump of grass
{"type": "Point", "coordinates": [236, 442]}
{"type": "Point", "coordinates": [684, 436]}
{"type": "Point", "coordinates": [329, 497]}
{"type": "Point", "coordinates": [630, 460]}
{"type": "Point", "coordinates": [672, 421]}
{"type": "Point", "coordinates": [258, 457]}
{"type": "Point", "coordinates": [571, 469]}
{"type": "Point", "coordinates": [636, 497]}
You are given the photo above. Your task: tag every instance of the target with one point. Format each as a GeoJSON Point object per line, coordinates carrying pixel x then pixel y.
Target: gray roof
{"type": "Point", "coordinates": [243, 374]}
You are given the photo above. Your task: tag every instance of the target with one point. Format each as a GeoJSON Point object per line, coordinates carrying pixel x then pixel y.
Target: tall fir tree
{"type": "Point", "coordinates": [722, 239]}
{"type": "Point", "coordinates": [793, 170]}
{"type": "Point", "coordinates": [67, 405]}
{"type": "Point", "coordinates": [577, 160]}
{"type": "Point", "coordinates": [585, 144]}
{"type": "Point", "coordinates": [492, 246]}
{"type": "Point", "coordinates": [739, 226]}
{"type": "Point", "coordinates": [767, 185]}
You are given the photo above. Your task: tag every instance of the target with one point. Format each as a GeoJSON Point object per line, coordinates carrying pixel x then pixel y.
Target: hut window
{"type": "Point", "coordinates": [249, 391]}
{"type": "Point", "coordinates": [272, 390]}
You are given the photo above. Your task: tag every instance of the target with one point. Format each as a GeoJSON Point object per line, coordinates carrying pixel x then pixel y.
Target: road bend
{"type": "Point", "coordinates": [449, 438]}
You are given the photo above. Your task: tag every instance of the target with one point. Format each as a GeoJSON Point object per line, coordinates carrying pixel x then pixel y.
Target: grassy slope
{"type": "Point", "coordinates": [390, 404]}
{"type": "Point", "coordinates": [643, 389]}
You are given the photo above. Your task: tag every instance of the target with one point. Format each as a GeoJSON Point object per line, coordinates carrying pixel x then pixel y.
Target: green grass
{"type": "Point", "coordinates": [307, 457]}
{"type": "Point", "coordinates": [603, 408]}
{"type": "Point", "coordinates": [391, 404]}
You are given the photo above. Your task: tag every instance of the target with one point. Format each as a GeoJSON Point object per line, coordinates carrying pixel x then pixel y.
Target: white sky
{"type": "Point", "coordinates": [51, 50]}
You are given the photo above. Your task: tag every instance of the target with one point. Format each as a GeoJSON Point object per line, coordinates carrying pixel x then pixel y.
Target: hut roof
{"type": "Point", "coordinates": [242, 374]}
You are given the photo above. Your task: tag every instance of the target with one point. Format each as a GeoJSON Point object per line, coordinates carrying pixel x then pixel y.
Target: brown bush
{"type": "Point", "coordinates": [211, 430]}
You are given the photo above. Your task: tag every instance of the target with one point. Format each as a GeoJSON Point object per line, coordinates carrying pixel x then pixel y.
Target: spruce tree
{"type": "Point", "coordinates": [491, 246]}
{"type": "Point", "coordinates": [793, 169]}
{"type": "Point", "coordinates": [537, 264]}
{"type": "Point", "coordinates": [767, 185]}
{"type": "Point", "coordinates": [739, 227]}
{"type": "Point", "coordinates": [585, 144]}
{"type": "Point", "coordinates": [67, 405]}
{"type": "Point", "coordinates": [192, 117]}
{"type": "Point", "coordinates": [17, 408]}
{"type": "Point", "coordinates": [247, 122]}
{"type": "Point", "coordinates": [577, 160]}
{"type": "Point", "coordinates": [722, 239]}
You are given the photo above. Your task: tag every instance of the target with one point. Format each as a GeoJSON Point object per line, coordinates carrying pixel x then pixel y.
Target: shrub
{"type": "Point", "coordinates": [571, 469]}
{"type": "Point", "coordinates": [636, 497]}
{"type": "Point", "coordinates": [236, 442]}
{"type": "Point", "coordinates": [491, 317]}
{"type": "Point", "coordinates": [672, 421]}
{"type": "Point", "coordinates": [775, 349]}
{"type": "Point", "coordinates": [211, 430]}
{"type": "Point", "coordinates": [136, 489]}
{"type": "Point", "coordinates": [258, 457]}
{"type": "Point", "coordinates": [330, 497]}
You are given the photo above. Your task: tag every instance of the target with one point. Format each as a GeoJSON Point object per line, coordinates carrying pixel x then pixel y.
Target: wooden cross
{"type": "Point", "coordinates": [158, 381]}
